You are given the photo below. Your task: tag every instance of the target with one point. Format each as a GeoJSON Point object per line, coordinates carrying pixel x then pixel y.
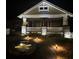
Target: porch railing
{"type": "Point", "coordinates": [39, 29]}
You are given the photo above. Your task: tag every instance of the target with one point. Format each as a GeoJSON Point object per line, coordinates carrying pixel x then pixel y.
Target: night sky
{"type": "Point", "coordinates": [16, 7]}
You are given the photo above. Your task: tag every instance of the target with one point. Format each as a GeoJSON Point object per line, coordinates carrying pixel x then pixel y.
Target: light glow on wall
{"type": "Point", "coordinates": [44, 30]}
{"type": "Point", "coordinates": [8, 31]}
{"type": "Point", "coordinates": [24, 19]}
{"type": "Point", "coordinates": [23, 30]}
{"type": "Point", "coordinates": [60, 57]}
{"type": "Point", "coordinates": [68, 35]}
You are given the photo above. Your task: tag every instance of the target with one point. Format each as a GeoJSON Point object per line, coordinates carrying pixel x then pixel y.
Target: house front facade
{"type": "Point", "coordinates": [46, 18]}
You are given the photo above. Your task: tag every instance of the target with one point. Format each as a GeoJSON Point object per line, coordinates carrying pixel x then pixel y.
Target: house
{"type": "Point", "coordinates": [46, 18]}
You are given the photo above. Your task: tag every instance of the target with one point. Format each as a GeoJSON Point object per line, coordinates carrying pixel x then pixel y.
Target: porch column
{"type": "Point", "coordinates": [44, 30]}
{"type": "Point", "coordinates": [64, 23]}
{"type": "Point", "coordinates": [23, 28]}
{"type": "Point", "coordinates": [65, 20]}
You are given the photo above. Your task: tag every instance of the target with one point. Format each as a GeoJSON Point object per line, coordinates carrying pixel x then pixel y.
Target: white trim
{"type": "Point", "coordinates": [52, 5]}
{"type": "Point", "coordinates": [43, 8]}
{"type": "Point", "coordinates": [20, 16]}
{"type": "Point", "coordinates": [25, 21]}
{"type": "Point", "coordinates": [44, 16]}
{"type": "Point", "coordinates": [48, 29]}
{"type": "Point", "coordinates": [44, 0]}
{"type": "Point", "coordinates": [43, 5]}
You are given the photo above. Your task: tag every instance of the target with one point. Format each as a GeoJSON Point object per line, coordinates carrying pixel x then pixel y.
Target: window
{"type": "Point", "coordinates": [43, 7]}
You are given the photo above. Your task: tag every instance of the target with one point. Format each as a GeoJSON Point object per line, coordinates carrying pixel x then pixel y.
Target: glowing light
{"type": "Point", "coordinates": [23, 46]}
{"type": "Point", "coordinates": [23, 31]}
{"type": "Point", "coordinates": [60, 57]}
{"type": "Point", "coordinates": [43, 33]}
{"type": "Point", "coordinates": [28, 38]}
{"type": "Point", "coordinates": [37, 40]}
{"type": "Point", "coordinates": [25, 21]}
{"type": "Point", "coordinates": [27, 32]}
{"type": "Point", "coordinates": [7, 31]}
{"type": "Point", "coordinates": [68, 35]}
{"type": "Point", "coordinates": [57, 48]}
{"type": "Point", "coordinates": [44, 30]}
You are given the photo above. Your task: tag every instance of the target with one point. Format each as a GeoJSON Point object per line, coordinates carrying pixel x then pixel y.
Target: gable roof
{"type": "Point", "coordinates": [33, 11]}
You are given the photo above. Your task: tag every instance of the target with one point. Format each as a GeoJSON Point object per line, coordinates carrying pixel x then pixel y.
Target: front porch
{"type": "Point", "coordinates": [45, 26]}
{"type": "Point", "coordinates": [42, 26]}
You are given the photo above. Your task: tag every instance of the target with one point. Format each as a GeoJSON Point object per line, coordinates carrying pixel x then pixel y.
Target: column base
{"type": "Point", "coordinates": [23, 30]}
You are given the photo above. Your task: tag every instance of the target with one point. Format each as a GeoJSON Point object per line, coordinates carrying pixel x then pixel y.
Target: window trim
{"type": "Point", "coordinates": [43, 8]}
